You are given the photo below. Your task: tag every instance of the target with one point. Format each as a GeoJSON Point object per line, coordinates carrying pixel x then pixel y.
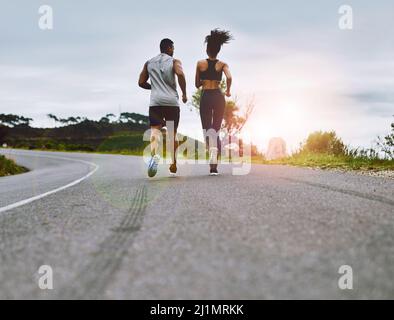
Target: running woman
{"type": "Point", "coordinates": [209, 74]}
{"type": "Point", "coordinates": [164, 104]}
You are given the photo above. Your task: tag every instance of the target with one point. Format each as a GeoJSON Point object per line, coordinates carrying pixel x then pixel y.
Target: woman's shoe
{"type": "Point", "coordinates": [214, 170]}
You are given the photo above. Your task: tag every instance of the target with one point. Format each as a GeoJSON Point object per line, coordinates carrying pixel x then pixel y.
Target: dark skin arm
{"type": "Point", "coordinates": [198, 80]}
{"type": "Point", "coordinates": [181, 78]}
{"type": "Point", "coordinates": [229, 78]}
{"type": "Point", "coordinates": [144, 77]}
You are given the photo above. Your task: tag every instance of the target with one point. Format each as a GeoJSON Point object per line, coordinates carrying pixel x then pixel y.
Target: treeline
{"type": "Point", "coordinates": [72, 133]}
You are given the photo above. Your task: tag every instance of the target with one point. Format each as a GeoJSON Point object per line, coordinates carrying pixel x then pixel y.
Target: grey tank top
{"type": "Point", "coordinates": [162, 76]}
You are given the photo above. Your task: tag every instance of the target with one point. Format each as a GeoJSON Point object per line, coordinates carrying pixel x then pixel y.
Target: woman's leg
{"type": "Point", "coordinates": [206, 114]}
{"type": "Point", "coordinates": [218, 113]}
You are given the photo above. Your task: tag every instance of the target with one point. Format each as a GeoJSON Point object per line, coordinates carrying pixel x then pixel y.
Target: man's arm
{"type": "Point", "coordinates": [144, 77]}
{"type": "Point", "coordinates": [197, 79]}
{"type": "Point", "coordinates": [181, 78]}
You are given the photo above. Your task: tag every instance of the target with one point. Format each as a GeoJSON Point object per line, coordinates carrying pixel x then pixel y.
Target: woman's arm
{"type": "Point", "coordinates": [229, 79]}
{"type": "Point", "coordinates": [198, 80]}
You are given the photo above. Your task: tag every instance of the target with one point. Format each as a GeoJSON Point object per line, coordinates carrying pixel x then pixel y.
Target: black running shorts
{"type": "Point", "coordinates": [159, 115]}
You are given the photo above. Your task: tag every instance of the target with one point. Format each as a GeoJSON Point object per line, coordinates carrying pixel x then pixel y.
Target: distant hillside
{"type": "Point", "coordinates": [85, 135]}
{"type": "Point", "coordinates": [123, 135]}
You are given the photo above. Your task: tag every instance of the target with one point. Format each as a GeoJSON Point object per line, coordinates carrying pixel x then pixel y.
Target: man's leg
{"type": "Point", "coordinates": [172, 121]}
{"type": "Point", "coordinates": [156, 120]}
{"type": "Point", "coordinates": [155, 124]}
{"type": "Point", "coordinates": [155, 136]}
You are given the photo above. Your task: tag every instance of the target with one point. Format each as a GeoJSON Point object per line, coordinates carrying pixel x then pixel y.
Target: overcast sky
{"type": "Point", "coordinates": [304, 72]}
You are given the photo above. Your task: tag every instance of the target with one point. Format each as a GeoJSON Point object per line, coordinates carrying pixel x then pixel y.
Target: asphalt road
{"type": "Point", "coordinates": [278, 232]}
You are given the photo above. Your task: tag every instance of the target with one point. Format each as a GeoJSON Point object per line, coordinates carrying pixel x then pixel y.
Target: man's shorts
{"type": "Point", "coordinates": [159, 115]}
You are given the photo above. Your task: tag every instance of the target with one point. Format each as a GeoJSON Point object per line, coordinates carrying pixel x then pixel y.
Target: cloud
{"type": "Point", "coordinates": [284, 52]}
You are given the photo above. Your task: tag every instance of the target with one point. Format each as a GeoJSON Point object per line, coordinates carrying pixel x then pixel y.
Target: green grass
{"type": "Point", "coordinates": [326, 161]}
{"type": "Point", "coordinates": [124, 144]}
{"type": "Point", "coordinates": [9, 167]}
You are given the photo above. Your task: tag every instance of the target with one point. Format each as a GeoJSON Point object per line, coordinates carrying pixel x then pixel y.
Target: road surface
{"type": "Point", "coordinates": [109, 232]}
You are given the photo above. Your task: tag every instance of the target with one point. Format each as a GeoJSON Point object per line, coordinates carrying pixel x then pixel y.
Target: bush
{"type": "Point", "coordinates": [79, 147]}
{"type": "Point", "coordinates": [386, 144]}
{"type": "Point", "coordinates": [9, 167]}
{"type": "Point", "coordinates": [324, 142]}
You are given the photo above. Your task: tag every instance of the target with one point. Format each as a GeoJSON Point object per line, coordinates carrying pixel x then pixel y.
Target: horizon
{"type": "Point", "coordinates": [304, 73]}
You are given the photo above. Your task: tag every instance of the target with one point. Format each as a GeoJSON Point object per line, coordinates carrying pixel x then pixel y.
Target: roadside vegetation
{"type": "Point", "coordinates": [326, 150]}
{"type": "Point", "coordinates": [113, 134]}
{"type": "Point", "coordinates": [108, 134]}
{"type": "Point", "coordinates": [123, 135]}
{"type": "Point", "coordinates": [9, 167]}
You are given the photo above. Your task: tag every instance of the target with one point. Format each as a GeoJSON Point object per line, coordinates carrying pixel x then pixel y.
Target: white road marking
{"type": "Point", "coordinates": [43, 195]}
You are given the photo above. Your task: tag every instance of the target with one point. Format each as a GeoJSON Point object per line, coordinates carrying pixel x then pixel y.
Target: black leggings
{"type": "Point", "coordinates": [212, 106]}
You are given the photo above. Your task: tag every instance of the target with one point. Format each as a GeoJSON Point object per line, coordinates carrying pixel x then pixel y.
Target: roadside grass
{"type": "Point", "coordinates": [121, 145]}
{"type": "Point", "coordinates": [131, 143]}
{"type": "Point", "coordinates": [9, 167]}
{"type": "Point", "coordinates": [127, 152]}
{"type": "Point", "coordinates": [327, 161]}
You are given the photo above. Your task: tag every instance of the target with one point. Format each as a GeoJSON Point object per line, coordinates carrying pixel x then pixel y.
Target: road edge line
{"type": "Point", "coordinates": [43, 195]}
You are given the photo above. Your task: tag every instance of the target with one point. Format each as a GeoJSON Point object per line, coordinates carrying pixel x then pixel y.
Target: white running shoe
{"type": "Point", "coordinates": [152, 166]}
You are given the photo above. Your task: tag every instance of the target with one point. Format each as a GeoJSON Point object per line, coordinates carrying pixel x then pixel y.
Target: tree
{"type": "Point", "coordinates": [324, 142]}
{"type": "Point", "coordinates": [73, 120]}
{"type": "Point", "coordinates": [12, 120]}
{"type": "Point", "coordinates": [234, 122]}
{"type": "Point", "coordinates": [24, 121]}
{"type": "Point", "coordinates": [110, 115]}
{"type": "Point", "coordinates": [53, 117]}
{"type": "Point", "coordinates": [104, 120]}
{"type": "Point", "coordinates": [65, 121]}
{"type": "Point", "coordinates": [107, 118]}
{"type": "Point", "coordinates": [133, 117]}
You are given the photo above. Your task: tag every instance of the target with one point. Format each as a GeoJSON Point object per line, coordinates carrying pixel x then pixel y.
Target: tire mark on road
{"type": "Point", "coordinates": [92, 281]}
{"type": "Point", "coordinates": [347, 192]}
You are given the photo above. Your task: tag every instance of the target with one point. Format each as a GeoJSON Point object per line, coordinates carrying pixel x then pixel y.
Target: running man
{"type": "Point", "coordinates": [164, 104]}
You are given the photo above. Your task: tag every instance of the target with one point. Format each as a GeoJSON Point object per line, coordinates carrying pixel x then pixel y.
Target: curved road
{"type": "Point", "coordinates": [109, 232]}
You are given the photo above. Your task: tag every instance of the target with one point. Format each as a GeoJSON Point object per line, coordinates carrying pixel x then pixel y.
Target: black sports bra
{"type": "Point", "coordinates": [211, 73]}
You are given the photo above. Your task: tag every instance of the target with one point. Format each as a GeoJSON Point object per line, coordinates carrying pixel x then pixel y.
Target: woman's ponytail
{"type": "Point", "coordinates": [216, 39]}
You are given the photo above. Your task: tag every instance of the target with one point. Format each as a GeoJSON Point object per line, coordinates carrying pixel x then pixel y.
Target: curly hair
{"type": "Point", "coordinates": [216, 39]}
